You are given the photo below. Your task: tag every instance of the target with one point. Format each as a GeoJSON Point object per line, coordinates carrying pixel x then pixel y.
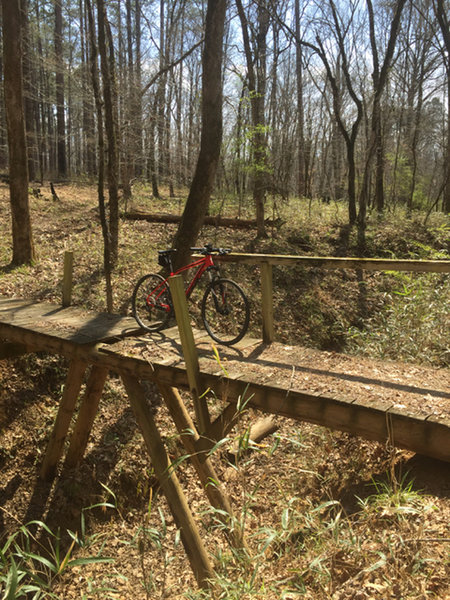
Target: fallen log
{"type": "Point", "coordinates": [218, 221]}
{"type": "Point", "coordinates": [259, 430]}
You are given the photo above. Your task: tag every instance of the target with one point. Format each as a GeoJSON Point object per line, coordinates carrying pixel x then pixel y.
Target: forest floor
{"type": "Point", "coordinates": [326, 515]}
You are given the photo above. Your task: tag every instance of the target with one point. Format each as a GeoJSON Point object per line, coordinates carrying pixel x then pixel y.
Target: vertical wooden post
{"type": "Point", "coordinates": [202, 463]}
{"type": "Point", "coordinates": [267, 302]}
{"type": "Point", "coordinates": [67, 278]}
{"type": "Point", "coordinates": [86, 415]}
{"type": "Point", "coordinates": [190, 536]}
{"type": "Point", "coordinates": [189, 350]}
{"type": "Point", "coordinates": [66, 407]}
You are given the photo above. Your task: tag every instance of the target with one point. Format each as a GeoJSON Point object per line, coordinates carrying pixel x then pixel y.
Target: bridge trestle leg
{"type": "Point", "coordinates": [168, 480]}
{"type": "Point", "coordinates": [72, 388]}
{"type": "Point", "coordinates": [86, 415]}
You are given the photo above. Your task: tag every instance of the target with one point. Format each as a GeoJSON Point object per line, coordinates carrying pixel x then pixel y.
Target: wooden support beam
{"type": "Point", "coordinates": [72, 387]}
{"type": "Point", "coordinates": [202, 464]}
{"type": "Point", "coordinates": [67, 278]}
{"type": "Point", "coordinates": [189, 351]}
{"type": "Point", "coordinates": [11, 350]}
{"type": "Point", "coordinates": [86, 415]}
{"type": "Point", "coordinates": [190, 536]}
{"type": "Point", "coordinates": [425, 436]}
{"type": "Point", "coordinates": [219, 428]}
{"type": "Point", "coordinates": [267, 303]}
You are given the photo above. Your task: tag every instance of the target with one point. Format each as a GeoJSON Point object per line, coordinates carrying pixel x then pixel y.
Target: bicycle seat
{"type": "Point", "coordinates": [164, 259]}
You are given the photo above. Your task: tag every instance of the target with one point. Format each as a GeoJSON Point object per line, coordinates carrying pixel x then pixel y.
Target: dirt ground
{"type": "Point", "coordinates": [326, 515]}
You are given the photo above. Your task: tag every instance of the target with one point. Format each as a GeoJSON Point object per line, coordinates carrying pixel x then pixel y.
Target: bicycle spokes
{"type": "Point", "coordinates": [219, 294]}
{"type": "Point", "coordinates": [151, 303]}
{"type": "Point", "coordinates": [225, 311]}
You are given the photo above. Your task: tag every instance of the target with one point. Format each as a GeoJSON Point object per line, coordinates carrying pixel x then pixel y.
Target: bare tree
{"type": "Point", "coordinates": [441, 9]}
{"type": "Point", "coordinates": [375, 143]}
{"type": "Point", "coordinates": [101, 156]}
{"type": "Point", "coordinates": [59, 85]}
{"type": "Point", "coordinates": [256, 76]}
{"type": "Point", "coordinates": [300, 106]}
{"type": "Point", "coordinates": [23, 250]}
{"type": "Point", "coordinates": [211, 137]}
{"type": "Point", "coordinates": [106, 51]}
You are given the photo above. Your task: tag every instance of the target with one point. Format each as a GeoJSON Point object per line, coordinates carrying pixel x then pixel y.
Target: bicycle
{"type": "Point", "coordinates": [225, 309]}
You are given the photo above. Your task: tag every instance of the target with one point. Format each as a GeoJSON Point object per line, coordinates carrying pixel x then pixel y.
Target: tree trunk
{"type": "Point", "coordinates": [109, 99]}
{"type": "Point", "coordinates": [23, 250]}
{"type": "Point", "coordinates": [211, 136]}
{"type": "Point", "coordinates": [257, 90]}
{"type": "Point", "coordinates": [59, 86]}
{"type": "Point", "coordinates": [442, 17]}
{"type": "Point", "coordinates": [446, 199]}
{"type": "Point", "coordinates": [101, 159]}
{"type": "Point", "coordinates": [379, 77]}
{"type": "Point", "coordinates": [379, 170]}
{"type": "Point", "coordinates": [89, 151]}
{"type": "Point", "coordinates": [29, 85]}
{"type": "Point", "coordinates": [300, 106]}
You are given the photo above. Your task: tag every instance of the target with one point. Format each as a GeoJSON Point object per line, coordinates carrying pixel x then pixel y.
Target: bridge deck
{"type": "Point", "coordinates": [408, 404]}
{"type": "Point", "coordinates": [73, 324]}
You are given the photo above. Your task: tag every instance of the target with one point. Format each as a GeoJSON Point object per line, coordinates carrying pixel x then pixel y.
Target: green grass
{"type": "Point", "coordinates": [32, 559]}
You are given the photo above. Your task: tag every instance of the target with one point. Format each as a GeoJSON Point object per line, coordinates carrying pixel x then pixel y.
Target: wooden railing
{"type": "Point", "coordinates": [268, 261]}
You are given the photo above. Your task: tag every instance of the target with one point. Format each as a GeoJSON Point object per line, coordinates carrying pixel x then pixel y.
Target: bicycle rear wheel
{"type": "Point", "coordinates": [225, 311]}
{"type": "Point", "coordinates": [151, 302]}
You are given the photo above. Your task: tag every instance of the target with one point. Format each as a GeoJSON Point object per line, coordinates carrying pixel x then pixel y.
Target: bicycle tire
{"type": "Point", "coordinates": [225, 311]}
{"type": "Point", "coordinates": [150, 311]}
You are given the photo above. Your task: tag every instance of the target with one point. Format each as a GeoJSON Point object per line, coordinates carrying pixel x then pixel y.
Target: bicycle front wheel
{"type": "Point", "coordinates": [151, 302]}
{"type": "Point", "coordinates": [225, 311]}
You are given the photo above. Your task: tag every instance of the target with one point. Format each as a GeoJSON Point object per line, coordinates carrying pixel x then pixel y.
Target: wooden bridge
{"type": "Point", "coordinates": [389, 402]}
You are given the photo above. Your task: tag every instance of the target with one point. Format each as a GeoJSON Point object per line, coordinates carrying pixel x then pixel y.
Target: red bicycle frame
{"type": "Point", "coordinates": [203, 264]}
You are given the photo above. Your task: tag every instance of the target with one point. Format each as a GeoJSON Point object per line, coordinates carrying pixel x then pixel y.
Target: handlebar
{"type": "Point", "coordinates": [209, 249]}
{"type": "Point", "coordinates": [206, 249]}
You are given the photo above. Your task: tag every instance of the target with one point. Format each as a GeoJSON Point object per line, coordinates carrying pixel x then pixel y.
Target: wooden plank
{"type": "Point", "coordinates": [268, 332]}
{"type": "Point", "coordinates": [425, 435]}
{"type": "Point", "coordinates": [11, 350]}
{"type": "Point", "coordinates": [189, 351]}
{"type": "Point", "coordinates": [9, 304]}
{"type": "Point", "coordinates": [326, 262]}
{"type": "Point", "coordinates": [367, 421]}
{"type": "Point", "coordinates": [63, 418]}
{"type": "Point", "coordinates": [168, 480]}
{"type": "Point", "coordinates": [86, 415]}
{"type": "Point", "coordinates": [339, 414]}
{"type": "Point", "coordinates": [70, 323]}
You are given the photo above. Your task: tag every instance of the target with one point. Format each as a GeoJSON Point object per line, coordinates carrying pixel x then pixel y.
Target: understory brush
{"type": "Point", "coordinates": [33, 558]}
{"type": "Point", "coordinates": [413, 323]}
{"type": "Point", "coordinates": [314, 549]}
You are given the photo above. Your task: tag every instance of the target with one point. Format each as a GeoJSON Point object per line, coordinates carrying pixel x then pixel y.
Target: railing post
{"type": "Point", "coordinates": [267, 302]}
{"type": "Point", "coordinates": [67, 278]}
{"type": "Point", "coordinates": [189, 351]}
